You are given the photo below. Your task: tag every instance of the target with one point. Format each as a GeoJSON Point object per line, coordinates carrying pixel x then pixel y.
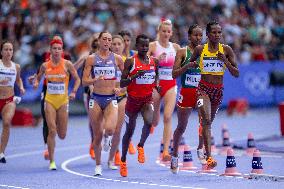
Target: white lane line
{"type": "Point", "coordinates": [68, 161]}
{"type": "Point", "coordinates": [35, 153]}
{"type": "Point", "coordinates": [9, 186]}
{"type": "Point", "coordinates": [41, 151]}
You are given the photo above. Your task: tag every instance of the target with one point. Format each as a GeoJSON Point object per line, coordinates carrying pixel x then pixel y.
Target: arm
{"type": "Point", "coordinates": [80, 62]}
{"type": "Point", "coordinates": [157, 80]}
{"type": "Point", "coordinates": [86, 79]}
{"type": "Point", "coordinates": [120, 65]}
{"type": "Point", "coordinates": [119, 62]}
{"type": "Point", "coordinates": [229, 60]}
{"type": "Point", "coordinates": [152, 47]}
{"type": "Point", "coordinates": [39, 75]}
{"type": "Point", "coordinates": [125, 80]}
{"type": "Point", "coordinates": [19, 80]}
{"type": "Point", "coordinates": [196, 53]}
{"type": "Point", "coordinates": [176, 46]}
{"type": "Point", "coordinates": [74, 75]}
{"type": "Point", "coordinates": [177, 69]}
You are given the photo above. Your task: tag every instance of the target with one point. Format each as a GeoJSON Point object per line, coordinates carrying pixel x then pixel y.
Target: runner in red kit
{"type": "Point", "coordinates": [141, 77]}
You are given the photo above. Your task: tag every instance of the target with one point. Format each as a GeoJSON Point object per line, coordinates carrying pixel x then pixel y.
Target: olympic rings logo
{"type": "Point", "coordinates": [257, 83]}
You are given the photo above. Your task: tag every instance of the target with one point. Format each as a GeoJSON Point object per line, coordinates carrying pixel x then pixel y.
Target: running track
{"type": "Point", "coordinates": [26, 167]}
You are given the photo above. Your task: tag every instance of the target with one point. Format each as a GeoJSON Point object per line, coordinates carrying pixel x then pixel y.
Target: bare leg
{"type": "Point", "coordinates": [116, 136]}
{"type": "Point", "coordinates": [7, 114]}
{"type": "Point", "coordinates": [183, 115]}
{"type": "Point", "coordinates": [169, 106]}
{"type": "Point", "coordinates": [51, 117]}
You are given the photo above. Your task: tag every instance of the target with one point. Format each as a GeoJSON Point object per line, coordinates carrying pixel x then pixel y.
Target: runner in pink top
{"type": "Point", "coordinates": [165, 51]}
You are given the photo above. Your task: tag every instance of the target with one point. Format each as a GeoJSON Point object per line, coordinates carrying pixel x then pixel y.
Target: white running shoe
{"type": "Point", "coordinates": [174, 165]}
{"type": "Point", "coordinates": [111, 165]}
{"type": "Point", "coordinates": [201, 156]}
{"type": "Point", "coordinates": [2, 158]}
{"type": "Point", "coordinates": [107, 143]}
{"type": "Point", "coordinates": [98, 170]}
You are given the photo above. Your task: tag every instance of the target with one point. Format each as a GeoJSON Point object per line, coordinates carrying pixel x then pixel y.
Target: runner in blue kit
{"type": "Point", "coordinates": [101, 72]}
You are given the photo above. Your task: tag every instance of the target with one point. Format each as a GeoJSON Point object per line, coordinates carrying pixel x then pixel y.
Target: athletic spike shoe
{"type": "Point", "coordinates": [211, 163]}
{"type": "Point", "coordinates": [3, 160]}
{"type": "Point", "coordinates": [123, 169]}
{"type": "Point", "coordinates": [201, 156]}
{"type": "Point", "coordinates": [141, 154]}
{"type": "Point", "coordinates": [174, 165]}
{"type": "Point", "coordinates": [111, 165]}
{"type": "Point", "coordinates": [46, 155]}
{"type": "Point", "coordinates": [92, 152]}
{"type": "Point", "coordinates": [152, 129]}
{"type": "Point", "coordinates": [131, 148]}
{"type": "Point", "coordinates": [98, 170]}
{"type": "Point", "coordinates": [117, 158]}
{"type": "Point", "coordinates": [52, 166]}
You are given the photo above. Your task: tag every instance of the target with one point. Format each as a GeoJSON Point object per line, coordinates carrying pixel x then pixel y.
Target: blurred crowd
{"type": "Point", "coordinates": [254, 28]}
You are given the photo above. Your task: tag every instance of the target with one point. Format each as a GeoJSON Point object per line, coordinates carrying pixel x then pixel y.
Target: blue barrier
{"type": "Point", "coordinates": [253, 84]}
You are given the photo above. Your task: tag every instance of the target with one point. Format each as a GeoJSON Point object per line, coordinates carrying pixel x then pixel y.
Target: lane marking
{"type": "Point", "coordinates": [41, 151]}
{"type": "Point", "coordinates": [68, 161]}
{"type": "Point", "coordinates": [9, 186]}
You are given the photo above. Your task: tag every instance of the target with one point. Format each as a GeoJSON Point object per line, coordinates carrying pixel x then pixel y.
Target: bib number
{"type": "Point", "coordinates": [147, 78]}
{"type": "Point", "coordinates": [56, 88]}
{"type": "Point", "coordinates": [213, 65]}
{"type": "Point", "coordinates": [165, 74]}
{"type": "Point", "coordinates": [192, 80]}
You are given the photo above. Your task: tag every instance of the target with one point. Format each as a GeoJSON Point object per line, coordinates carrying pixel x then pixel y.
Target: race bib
{"type": "Point", "coordinates": [106, 72]}
{"type": "Point", "coordinates": [146, 78]}
{"type": "Point", "coordinates": [7, 77]}
{"type": "Point", "coordinates": [56, 88]}
{"type": "Point", "coordinates": [192, 80]}
{"type": "Point", "coordinates": [114, 103]}
{"type": "Point", "coordinates": [91, 103]}
{"type": "Point", "coordinates": [180, 98]}
{"type": "Point", "coordinates": [213, 65]}
{"type": "Point", "coordinates": [165, 74]}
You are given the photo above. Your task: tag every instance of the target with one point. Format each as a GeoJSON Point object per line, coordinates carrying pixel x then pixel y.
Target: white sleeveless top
{"type": "Point", "coordinates": [7, 74]}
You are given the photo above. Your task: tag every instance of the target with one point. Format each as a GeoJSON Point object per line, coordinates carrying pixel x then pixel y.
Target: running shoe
{"type": "Point", "coordinates": [107, 143]}
{"type": "Point", "coordinates": [174, 165]}
{"type": "Point", "coordinates": [98, 170]}
{"type": "Point", "coordinates": [211, 163]}
{"type": "Point", "coordinates": [117, 158]}
{"type": "Point", "coordinates": [111, 165]}
{"type": "Point", "coordinates": [123, 169]}
{"type": "Point", "coordinates": [131, 148]}
{"type": "Point", "coordinates": [201, 156]}
{"type": "Point", "coordinates": [52, 166]}
{"type": "Point", "coordinates": [141, 154]}
{"type": "Point", "coordinates": [2, 158]}
{"type": "Point", "coordinates": [166, 156]}
{"type": "Point", "coordinates": [46, 155]}
{"type": "Point", "coordinates": [92, 152]}
{"type": "Point", "coordinates": [152, 129]}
